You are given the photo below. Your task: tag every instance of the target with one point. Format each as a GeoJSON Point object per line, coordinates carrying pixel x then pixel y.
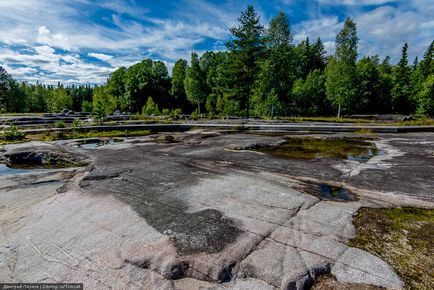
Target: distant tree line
{"type": "Point", "coordinates": [262, 73]}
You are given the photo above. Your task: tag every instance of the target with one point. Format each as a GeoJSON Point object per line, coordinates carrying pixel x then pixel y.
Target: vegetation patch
{"type": "Point", "coordinates": [93, 134]}
{"type": "Point", "coordinates": [403, 238]}
{"type": "Point", "coordinates": [12, 134]}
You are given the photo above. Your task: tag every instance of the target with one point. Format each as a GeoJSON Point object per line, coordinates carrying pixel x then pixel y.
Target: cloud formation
{"type": "Point", "coordinates": [84, 40]}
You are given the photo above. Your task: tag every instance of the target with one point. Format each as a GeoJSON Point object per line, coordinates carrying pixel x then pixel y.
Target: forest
{"type": "Point", "coordinates": [262, 73]}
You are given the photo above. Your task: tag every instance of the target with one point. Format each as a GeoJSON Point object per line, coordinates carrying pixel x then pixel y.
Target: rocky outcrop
{"type": "Point", "coordinates": [193, 215]}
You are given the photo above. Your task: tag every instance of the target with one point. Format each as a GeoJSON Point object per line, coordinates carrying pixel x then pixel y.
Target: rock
{"type": "Point", "coordinates": [38, 154]}
{"type": "Point", "coordinates": [357, 266]}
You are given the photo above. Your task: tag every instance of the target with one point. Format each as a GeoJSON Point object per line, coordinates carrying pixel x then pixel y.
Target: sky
{"type": "Point", "coordinates": [83, 41]}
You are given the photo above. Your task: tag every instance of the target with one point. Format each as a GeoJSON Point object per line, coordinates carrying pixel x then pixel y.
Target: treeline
{"type": "Point", "coordinates": [262, 73]}
{"type": "Point", "coordinates": [23, 97]}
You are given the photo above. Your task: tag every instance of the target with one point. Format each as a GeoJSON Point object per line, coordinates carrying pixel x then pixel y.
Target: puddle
{"type": "Point", "coordinates": [5, 170]}
{"type": "Point", "coordinates": [335, 193]}
{"type": "Point", "coordinates": [314, 148]}
{"type": "Point", "coordinates": [95, 143]}
{"type": "Point", "coordinates": [328, 192]}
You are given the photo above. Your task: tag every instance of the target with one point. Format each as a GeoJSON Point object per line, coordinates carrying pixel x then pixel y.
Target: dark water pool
{"type": "Point", "coordinates": [314, 148]}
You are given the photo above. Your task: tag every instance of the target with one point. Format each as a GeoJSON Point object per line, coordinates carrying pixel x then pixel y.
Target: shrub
{"type": "Point", "coordinates": [59, 124]}
{"type": "Point", "coordinates": [176, 112]}
{"type": "Point", "coordinates": [12, 133]}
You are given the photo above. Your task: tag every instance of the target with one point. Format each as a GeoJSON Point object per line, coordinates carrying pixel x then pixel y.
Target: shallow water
{"type": "Point", "coordinates": [5, 170]}
{"type": "Point", "coordinates": [314, 148]}
{"type": "Point", "coordinates": [328, 192]}
{"type": "Point", "coordinates": [335, 193]}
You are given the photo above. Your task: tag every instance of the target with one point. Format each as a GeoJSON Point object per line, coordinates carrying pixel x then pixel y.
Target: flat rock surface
{"type": "Point", "coordinates": [198, 211]}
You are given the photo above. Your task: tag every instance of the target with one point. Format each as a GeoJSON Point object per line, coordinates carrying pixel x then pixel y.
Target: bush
{"type": "Point", "coordinates": [12, 133]}
{"type": "Point", "coordinates": [59, 124]}
{"type": "Point", "coordinates": [77, 124]}
{"type": "Point", "coordinates": [150, 108]}
{"type": "Point", "coordinates": [166, 112]}
{"type": "Point", "coordinates": [176, 112]}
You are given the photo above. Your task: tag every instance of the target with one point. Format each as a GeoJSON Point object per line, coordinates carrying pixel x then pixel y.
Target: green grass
{"type": "Point", "coordinates": [403, 238]}
{"type": "Point", "coordinates": [92, 134]}
{"type": "Point", "coordinates": [419, 122]}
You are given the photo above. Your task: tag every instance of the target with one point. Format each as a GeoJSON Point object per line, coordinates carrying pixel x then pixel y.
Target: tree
{"type": "Point", "coordinates": [427, 64]}
{"type": "Point", "coordinates": [369, 100]}
{"type": "Point", "coordinates": [277, 72]}
{"type": "Point", "coordinates": [98, 111]}
{"type": "Point", "coordinates": [147, 78]}
{"type": "Point", "coordinates": [401, 92]}
{"type": "Point", "coordinates": [5, 87]}
{"type": "Point", "coordinates": [150, 108]}
{"type": "Point", "coordinates": [310, 95]}
{"type": "Point", "coordinates": [59, 100]}
{"type": "Point", "coordinates": [246, 47]}
{"type": "Point", "coordinates": [195, 82]}
{"type": "Point", "coordinates": [425, 98]}
{"type": "Point", "coordinates": [178, 77]}
{"type": "Point", "coordinates": [116, 87]}
{"type": "Point", "coordinates": [103, 100]}
{"type": "Point", "coordinates": [341, 83]}
{"type": "Point", "coordinates": [4, 84]}
{"type": "Point", "coordinates": [310, 57]}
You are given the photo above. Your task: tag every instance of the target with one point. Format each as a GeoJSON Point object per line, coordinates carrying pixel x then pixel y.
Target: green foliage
{"type": "Point", "coordinates": [261, 71]}
{"type": "Point", "coordinates": [401, 92]}
{"type": "Point", "coordinates": [77, 124]}
{"type": "Point", "coordinates": [150, 108]}
{"type": "Point", "coordinates": [59, 100]}
{"type": "Point", "coordinates": [341, 74]}
{"type": "Point", "coordinates": [59, 124]}
{"type": "Point", "coordinates": [178, 89]}
{"type": "Point", "coordinates": [246, 47]}
{"type": "Point", "coordinates": [147, 78]}
{"type": "Point", "coordinates": [116, 88]}
{"type": "Point", "coordinates": [86, 106]}
{"type": "Point", "coordinates": [99, 111]}
{"type": "Point", "coordinates": [310, 95]}
{"type": "Point", "coordinates": [277, 70]}
{"type": "Point", "coordinates": [12, 134]}
{"type": "Point", "coordinates": [195, 82]}
{"type": "Point", "coordinates": [425, 98]}
{"type": "Point", "coordinates": [176, 112]}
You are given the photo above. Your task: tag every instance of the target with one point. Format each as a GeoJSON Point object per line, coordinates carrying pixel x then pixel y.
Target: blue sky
{"type": "Point", "coordinates": [82, 41]}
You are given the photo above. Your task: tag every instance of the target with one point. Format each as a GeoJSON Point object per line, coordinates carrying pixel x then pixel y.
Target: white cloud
{"type": "Point", "coordinates": [382, 30]}
{"type": "Point", "coordinates": [356, 2]}
{"type": "Point", "coordinates": [100, 56]}
{"type": "Point", "coordinates": [59, 40]}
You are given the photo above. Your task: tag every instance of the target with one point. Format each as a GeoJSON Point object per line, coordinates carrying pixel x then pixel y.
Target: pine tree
{"type": "Point", "coordinates": [401, 92]}
{"type": "Point", "coordinates": [247, 48]}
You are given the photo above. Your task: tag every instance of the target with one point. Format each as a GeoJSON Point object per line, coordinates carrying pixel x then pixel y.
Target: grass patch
{"type": "Point", "coordinates": [92, 134]}
{"type": "Point", "coordinates": [364, 131]}
{"type": "Point", "coordinates": [403, 238]}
